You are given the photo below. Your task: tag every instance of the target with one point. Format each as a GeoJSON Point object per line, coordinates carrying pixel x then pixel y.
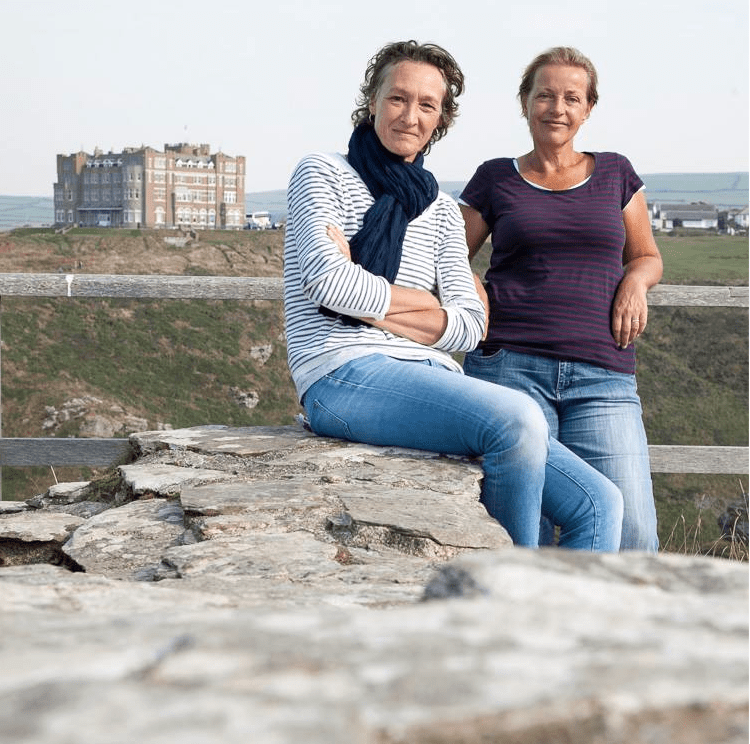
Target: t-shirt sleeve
{"type": "Point", "coordinates": [477, 193]}
{"type": "Point", "coordinates": [630, 181]}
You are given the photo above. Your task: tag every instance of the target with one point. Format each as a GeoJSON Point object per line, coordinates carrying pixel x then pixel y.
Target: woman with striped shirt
{"type": "Point", "coordinates": [378, 293]}
{"type": "Point", "coordinates": [572, 259]}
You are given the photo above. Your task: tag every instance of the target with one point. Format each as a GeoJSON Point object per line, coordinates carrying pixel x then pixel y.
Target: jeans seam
{"type": "Point", "coordinates": [595, 539]}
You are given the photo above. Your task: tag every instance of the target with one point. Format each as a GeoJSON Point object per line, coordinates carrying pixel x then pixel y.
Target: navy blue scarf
{"type": "Point", "coordinates": [402, 191]}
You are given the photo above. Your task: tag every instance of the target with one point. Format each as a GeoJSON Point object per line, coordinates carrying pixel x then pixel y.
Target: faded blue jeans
{"type": "Point", "coordinates": [594, 412]}
{"type": "Point", "coordinates": [385, 401]}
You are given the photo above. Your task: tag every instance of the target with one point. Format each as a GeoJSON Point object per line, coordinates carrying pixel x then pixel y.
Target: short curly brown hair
{"type": "Point", "coordinates": [561, 55]}
{"type": "Point", "coordinates": [400, 51]}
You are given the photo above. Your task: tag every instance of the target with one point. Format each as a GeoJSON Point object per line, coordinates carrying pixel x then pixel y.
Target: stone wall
{"type": "Point", "coordinates": [265, 585]}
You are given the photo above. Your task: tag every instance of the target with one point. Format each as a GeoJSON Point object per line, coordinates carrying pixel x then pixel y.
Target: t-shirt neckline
{"type": "Point", "coordinates": [544, 188]}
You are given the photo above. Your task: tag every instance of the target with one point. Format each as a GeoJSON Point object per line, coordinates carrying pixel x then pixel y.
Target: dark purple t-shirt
{"type": "Point", "coordinates": [556, 260]}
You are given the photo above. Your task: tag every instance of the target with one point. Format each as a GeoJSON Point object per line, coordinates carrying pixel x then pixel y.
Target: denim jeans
{"type": "Point", "coordinates": [594, 412]}
{"type": "Point", "coordinates": [385, 401]}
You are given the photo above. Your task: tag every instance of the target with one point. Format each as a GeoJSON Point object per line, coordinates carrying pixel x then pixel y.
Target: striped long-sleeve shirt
{"type": "Point", "coordinates": [324, 190]}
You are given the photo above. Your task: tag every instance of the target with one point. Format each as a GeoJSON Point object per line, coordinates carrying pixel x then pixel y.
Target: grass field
{"type": "Point", "coordinates": [704, 259]}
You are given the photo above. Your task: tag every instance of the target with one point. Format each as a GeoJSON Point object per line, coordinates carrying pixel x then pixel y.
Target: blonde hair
{"type": "Point", "coordinates": [559, 56]}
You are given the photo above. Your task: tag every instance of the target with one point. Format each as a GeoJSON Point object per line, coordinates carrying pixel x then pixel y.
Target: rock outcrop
{"type": "Point", "coordinates": [264, 585]}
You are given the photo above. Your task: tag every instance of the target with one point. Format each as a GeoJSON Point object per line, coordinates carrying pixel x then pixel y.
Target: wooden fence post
{"type": "Point", "coordinates": [1, 389]}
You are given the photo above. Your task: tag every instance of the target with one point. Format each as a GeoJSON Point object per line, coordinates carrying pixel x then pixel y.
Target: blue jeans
{"type": "Point", "coordinates": [384, 401]}
{"type": "Point", "coordinates": [594, 412]}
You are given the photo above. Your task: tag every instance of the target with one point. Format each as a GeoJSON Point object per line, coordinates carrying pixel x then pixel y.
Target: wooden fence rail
{"type": "Point", "coordinates": [164, 287]}
{"type": "Point", "coordinates": [22, 452]}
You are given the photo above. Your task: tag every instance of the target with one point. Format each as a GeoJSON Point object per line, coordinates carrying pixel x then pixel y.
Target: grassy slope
{"type": "Point", "coordinates": [693, 377]}
{"type": "Point", "coordinates": [177, 362]}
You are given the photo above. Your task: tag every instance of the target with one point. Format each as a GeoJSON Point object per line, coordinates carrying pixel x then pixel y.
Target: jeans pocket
{"type": "Point", "coordinates": [476, 364]}
{"type": "Point", "coordinates": [327, 424]}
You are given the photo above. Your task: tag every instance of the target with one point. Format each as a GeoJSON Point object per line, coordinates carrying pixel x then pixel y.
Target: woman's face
{"type": "Point", "coordinates": [557, 104]}
{"type": "Point", "coordinates": [407, 107]}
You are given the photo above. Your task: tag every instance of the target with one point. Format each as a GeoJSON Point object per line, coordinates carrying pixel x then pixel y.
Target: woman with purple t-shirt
{"type": "Point", "coordinates": [572, 259]}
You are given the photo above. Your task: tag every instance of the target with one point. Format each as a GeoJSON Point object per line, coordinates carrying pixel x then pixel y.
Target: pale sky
{"type": "Point", "coordinates": [277, 79]}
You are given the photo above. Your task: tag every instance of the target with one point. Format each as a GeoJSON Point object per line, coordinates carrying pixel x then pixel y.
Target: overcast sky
{"type": "Point", "coordinates": [275, 80]}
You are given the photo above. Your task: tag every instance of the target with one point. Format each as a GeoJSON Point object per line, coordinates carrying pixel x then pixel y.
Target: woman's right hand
{"type": "Point", "coordinates": [413, 313]}
{"type": "Point", "coordinates": [482, 292]}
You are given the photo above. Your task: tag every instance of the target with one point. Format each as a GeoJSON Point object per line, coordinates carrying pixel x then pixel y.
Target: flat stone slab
{"type": "Point", "coordinates": [166, 479]}
{"type": "Point", "coordinates": [119, 542]}
{"type": "Point", "coordinates": [239, 441]}
{"type": "Point", "coordinates": [270, 496]}
{"type": "Point", "coordinates": [33, 526]}
{"type": "Point", "coordinates": [426, 514]}
{"type": "Point", "coordinates": [69, 493]}
{"type": "Point", "coordinates": [13, 507]}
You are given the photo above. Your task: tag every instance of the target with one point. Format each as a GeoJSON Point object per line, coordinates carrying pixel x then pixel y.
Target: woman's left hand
{"type": "Point", "coordinates": [629, 311]}
{"type": "Point", "coordinates": [642, 266]}
{"type": "Point", "coordinates": [339, 239]}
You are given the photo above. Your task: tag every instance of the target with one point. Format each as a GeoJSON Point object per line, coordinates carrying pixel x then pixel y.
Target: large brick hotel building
{"type": "Point", "coordinates": [185, 186]}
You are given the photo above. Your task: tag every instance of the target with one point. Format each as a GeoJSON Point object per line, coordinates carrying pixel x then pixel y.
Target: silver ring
{"type": "Point", "coordinates": [635, 321]}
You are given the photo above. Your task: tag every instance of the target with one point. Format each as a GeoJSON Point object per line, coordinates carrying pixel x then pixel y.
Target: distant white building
{"type": "Point", "coordinates": [700, 216]}
{"type": "Point", "coordinates": [258, 221]}
{"type": "Point", "coordinates": [740, 218]}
